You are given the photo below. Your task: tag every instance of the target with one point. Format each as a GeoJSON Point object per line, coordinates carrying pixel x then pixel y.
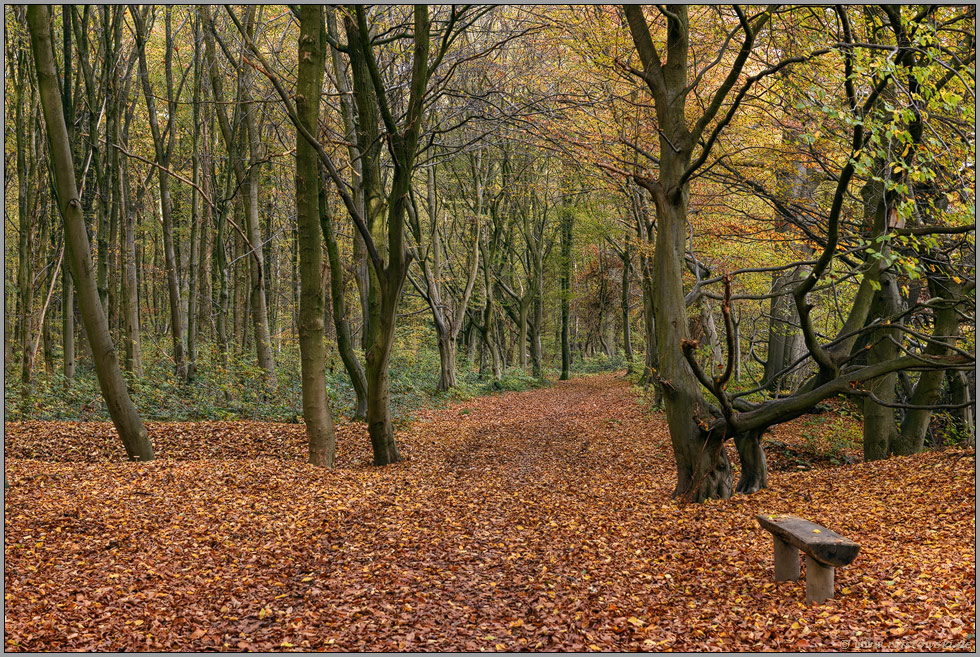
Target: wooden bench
{"type": "Point", "coordinates": [824, 550]}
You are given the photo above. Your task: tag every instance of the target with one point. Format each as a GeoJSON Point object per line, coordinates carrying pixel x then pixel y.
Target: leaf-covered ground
{"type": "Point", "coordinates": [536, 520]}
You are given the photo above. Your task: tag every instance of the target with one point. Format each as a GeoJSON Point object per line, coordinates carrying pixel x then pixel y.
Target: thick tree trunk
{"type": "Point", "coordinates": [223, 274]}
{"type": "Point", "coordinates": [447, 362]}
{"type": "Point", "coordinates": [880, 424]}
{"type": "Point", "coordinates": [911, 437]}
{"type": "Point", "coordinates": [380, 429]}
{"type": "Point", "coordinates": [752, 462]}
{"type": "Point", "coordinates": [121, 409]}
{"type": "Point", "coordinates": [316, 411]}
{"type": "Point", "coordinates": [703, 468]}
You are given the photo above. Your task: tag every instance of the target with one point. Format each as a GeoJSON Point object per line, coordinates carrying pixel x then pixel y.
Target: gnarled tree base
{"type": "Point", "coordinates": [704, 472]}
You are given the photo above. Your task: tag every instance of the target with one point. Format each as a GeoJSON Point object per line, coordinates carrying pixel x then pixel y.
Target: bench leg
{"type": "Point", "coordinates": [819, 581]}
{"type": "Point", "coordinates": [787, 560]}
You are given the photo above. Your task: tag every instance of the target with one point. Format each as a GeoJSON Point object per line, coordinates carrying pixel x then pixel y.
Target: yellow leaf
{"type": "Point", "coordinates": [816, 531]}
{"type": "Point", "coordinates": [308, 579]}
{"type": "Point", "coordinates": [286, 644]}
{"type": "Point", "coordinates": [633, 620]}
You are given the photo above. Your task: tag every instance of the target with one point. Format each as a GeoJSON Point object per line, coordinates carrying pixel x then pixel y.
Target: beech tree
{"type": "Point", "coordinates": [121, 409]}
{"type": "Point", "coordinates": [686, 138]}
{"type": "Point", "coordinates": [311, 58]}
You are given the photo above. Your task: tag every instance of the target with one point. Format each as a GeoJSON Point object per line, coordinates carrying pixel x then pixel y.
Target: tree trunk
{"type": "Point", "coordinates": [960, 392]}
{"type": "Point", "coordinates": [360, 256]}
{"type": "Point", "coordinates": [651, 362]}
{"type": "Point", "coordinates": [380, 429]}
{"type": "Point", "coordinates": [537, 354]}
{"type": "Point", "coordinates": [447, 362]}
{"type": "Point", "coordinates": [752, 462]}
{"type": "Point", "coordinates": [316, 411]}
{"type": "Point", "coordinates": [121, 409]}
{"type": "Point", "coordinates": [783, 342]}
{"type": "Point", "coordinates": [259, 308]}
{"type": "Point", "coordinates": [880, 427]}
{"type": "Point", "coordinates": [703, 468]}
{"type": "Point", "coordinates": [345, 343]}
{"type": "Point", "coordinates": [68, 322]}
{"type": "Point", "coordinates": [196, 227]}
{"type": "Point", "coordinates": [25, 275]}
{"type": "Point", "coordinates": [911, 437]}
{"type": "Point", "coordinates": [162, 150]}
{"type": "Point", "coordinates": [567, 224]}
{"type": "Point", "coordinates": [625, 306]}
{"type": "Point", "coordinates": [522, 341]}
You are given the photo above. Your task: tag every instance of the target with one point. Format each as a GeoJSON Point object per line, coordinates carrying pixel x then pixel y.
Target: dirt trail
{"type": "Point", "coordinates": [535, 520]}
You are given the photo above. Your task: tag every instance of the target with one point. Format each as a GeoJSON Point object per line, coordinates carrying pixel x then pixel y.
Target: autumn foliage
{"type": "Point", "coordinates": [538, 520]}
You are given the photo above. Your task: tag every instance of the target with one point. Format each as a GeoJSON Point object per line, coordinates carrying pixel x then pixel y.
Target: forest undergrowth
{"type": "Point", "coordinates": [236, 390]}
{"type": "Point", "coordinates": [530, 520]}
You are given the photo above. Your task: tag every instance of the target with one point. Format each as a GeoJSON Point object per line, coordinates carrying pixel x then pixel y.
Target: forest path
{"type": "Point", "coordinates": [533, 520]}
{"type": "Point", "coordinates": [556, 436]}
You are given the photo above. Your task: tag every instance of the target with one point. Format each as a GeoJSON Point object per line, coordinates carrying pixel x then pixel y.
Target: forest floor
{"type": "Point", "coordinates": [534, 520]}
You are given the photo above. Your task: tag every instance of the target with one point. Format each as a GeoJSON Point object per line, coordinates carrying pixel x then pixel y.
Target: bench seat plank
{"type": "Point", "coordinates": [824, 545]}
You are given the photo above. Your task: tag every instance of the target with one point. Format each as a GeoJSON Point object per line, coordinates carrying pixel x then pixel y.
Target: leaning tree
{"type": "Point", "coordinates": [121, 409]}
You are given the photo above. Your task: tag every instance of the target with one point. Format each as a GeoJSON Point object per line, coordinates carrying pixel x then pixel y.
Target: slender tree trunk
{"type": "Point", "coordinates": [130, 284]}
{"type": "Point", "coordinates": [537, 353]}
{"type": "Point", "coordinates": [524, 310]}
{"type": "Point", "coordinates": [567, 224]}
{"type": "Point", "coordinates": [360, 257]}
{"type": "Point", "coordinates": [25, 274]}
{"type": "Point", "coordinates": [68, 322]}
{"type": "Point", "coordinates": [345, 343]}
{"type": "Point", "coordinates": [259, 308]}
{"type": "Point", "coordinates": [196, 228]}
{"type": "Point", "coordinates": [625, 306]}
{"type": "Point", "coordinates": [163, 150]}
{"type": "Point", "coordinates": [121, 409]}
